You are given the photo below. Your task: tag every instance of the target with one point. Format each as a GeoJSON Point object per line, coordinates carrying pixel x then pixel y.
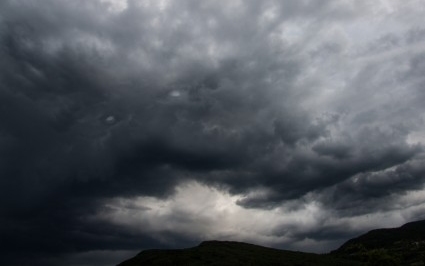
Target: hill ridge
{"type": "Point", "coordinates": [404, 245]}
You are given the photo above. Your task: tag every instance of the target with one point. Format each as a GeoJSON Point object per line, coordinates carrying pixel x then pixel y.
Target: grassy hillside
{"type": "Point", "coordinates": [231, 253]}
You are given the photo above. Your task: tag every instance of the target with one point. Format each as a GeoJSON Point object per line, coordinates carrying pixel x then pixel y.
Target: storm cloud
{"type": "Point", "coordinates": [128, 124]}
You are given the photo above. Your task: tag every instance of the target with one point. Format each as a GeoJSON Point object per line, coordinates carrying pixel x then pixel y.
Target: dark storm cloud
{"type": "Point", "coordinates": [375, 186]}
{"type": "Point", "coordinates": [99, 104]}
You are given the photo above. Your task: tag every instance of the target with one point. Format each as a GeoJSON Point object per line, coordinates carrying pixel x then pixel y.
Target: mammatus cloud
{"type": "Point", "coordinates": [137, 124]}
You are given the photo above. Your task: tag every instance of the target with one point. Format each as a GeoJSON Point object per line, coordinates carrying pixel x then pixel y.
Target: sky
{"type": "Point", "coordinates": [135, 124]}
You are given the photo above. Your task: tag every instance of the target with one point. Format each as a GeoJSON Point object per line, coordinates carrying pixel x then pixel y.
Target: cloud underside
{"type": "Point", "coordinates": [137, 124]}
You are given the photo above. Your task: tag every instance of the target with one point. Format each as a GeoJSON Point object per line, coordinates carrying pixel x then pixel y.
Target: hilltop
{"type": "Point", "coordinates": [230, 253]}
{"type": "Point", "coordinates": [393, 246]}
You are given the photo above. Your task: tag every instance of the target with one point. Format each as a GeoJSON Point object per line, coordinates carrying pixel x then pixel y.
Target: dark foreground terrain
{"type": "Point", "coordinates": [404, 245]}
{"type": "Point", "coordinates": [395, 246]}
{"type": "Point", "coordinates": [230, 253]}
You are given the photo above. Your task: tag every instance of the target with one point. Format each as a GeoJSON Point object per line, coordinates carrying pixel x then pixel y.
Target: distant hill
{"type": "Point", "coordinates": [395, 246]}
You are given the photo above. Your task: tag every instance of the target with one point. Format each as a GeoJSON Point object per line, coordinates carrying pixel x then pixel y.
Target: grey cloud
{"type": "Point", "coordinates": [336, 150]}
{"type": "Point", "coordinates": [97, 104]}
{"type": "Point", "coordinates": [376, 186]}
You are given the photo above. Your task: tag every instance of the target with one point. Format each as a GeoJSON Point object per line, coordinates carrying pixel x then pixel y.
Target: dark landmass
{"type": "Point", "coordinates": [231, 253]}
{"type": "Point", "coordinates": [404, 245]}
{"type": "Point", "coordinates": [394, 246]}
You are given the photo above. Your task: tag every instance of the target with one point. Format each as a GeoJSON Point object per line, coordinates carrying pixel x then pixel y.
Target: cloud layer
{"type": "Point", "coordinates": [137, 124]}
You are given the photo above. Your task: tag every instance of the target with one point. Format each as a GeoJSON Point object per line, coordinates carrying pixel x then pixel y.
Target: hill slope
{"type": "Point", "coordinates": [404, 245]}
{"type": "Point", "coordinates": [394, 246]}
{"type": "Point", "coordinates": [231, 253]}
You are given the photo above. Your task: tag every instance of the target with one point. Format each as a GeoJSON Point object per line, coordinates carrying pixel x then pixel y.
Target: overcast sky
{"type": "Point", "coordinates": [130, 124]}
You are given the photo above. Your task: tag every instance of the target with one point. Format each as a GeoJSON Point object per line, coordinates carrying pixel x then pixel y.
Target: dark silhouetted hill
{"type": "Point", "coordinates": [404, 245]}
{"type": "Point", "coordinates": [231, 253]}
{"type": "Point", "coordinates": [394, 246]}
